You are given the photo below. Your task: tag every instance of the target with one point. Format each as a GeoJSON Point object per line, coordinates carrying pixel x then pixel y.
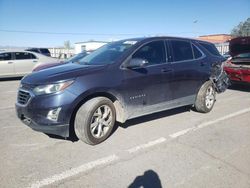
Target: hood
{"type": "Point", "coordinates": [239, 45]}
{"type": "Point", "coordinates": [59, 73]}
{"type": "Point", "coordinates": [42, 66]}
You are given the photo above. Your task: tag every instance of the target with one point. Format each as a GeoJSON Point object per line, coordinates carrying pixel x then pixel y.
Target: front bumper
{"type": "Point", "coordinates": [56, 129]}
{"type": "Point", "coordinates": [35, 113]}
{"type": "Point", "coordinates": [52, 128]}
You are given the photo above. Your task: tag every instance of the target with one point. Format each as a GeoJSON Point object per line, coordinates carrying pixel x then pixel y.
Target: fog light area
{"type": "Point", "coordinates": [54, 114]}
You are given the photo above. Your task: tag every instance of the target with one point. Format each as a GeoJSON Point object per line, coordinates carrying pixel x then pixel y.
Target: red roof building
{"type": "Point", "coordinates": [217, 38]}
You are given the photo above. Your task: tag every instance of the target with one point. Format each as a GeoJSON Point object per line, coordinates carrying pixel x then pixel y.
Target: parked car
{"type": "Point", "coordinates": [20, 63]}
{"type": "Point", "coordinates": [72, 59]}
{"type": "Point", "coordinates": [238, 67]}
{"type": "Point", "coordinates": [120, 81]}
{"type": "Point", "coordinates": [44, 51]}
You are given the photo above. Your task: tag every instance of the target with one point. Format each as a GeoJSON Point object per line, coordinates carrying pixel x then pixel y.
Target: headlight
{"type": "Point", "coordinates": [51, 88]}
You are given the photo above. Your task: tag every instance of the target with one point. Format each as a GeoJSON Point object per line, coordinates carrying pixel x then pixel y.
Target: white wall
{"type": "Point", "coordinates": [89, 46]}
{"type": "Point", "coordinates": [222, 47]}
{"type": "Point", "coordinates": [61, 53]}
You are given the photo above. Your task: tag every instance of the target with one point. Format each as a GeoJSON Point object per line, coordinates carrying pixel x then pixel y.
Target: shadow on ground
{"type": "Point", "coordinates": [149, 179]}
{"type": "Point", "coordinates": [129, 123]}
{"type": "Point", "coordinates": [10, 79]}
{"type": "Point", "coordinates": [154, 116]}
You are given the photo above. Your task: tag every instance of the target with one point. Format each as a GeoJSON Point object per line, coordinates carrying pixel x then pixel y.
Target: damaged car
{"type": "Point", "coordinates": [120, 81]}
{"type": "Point", "coordinates": [238, 67]}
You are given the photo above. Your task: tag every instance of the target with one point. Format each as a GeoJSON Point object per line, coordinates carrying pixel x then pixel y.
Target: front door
{"type": "Point", "coordinates": [147, 87]}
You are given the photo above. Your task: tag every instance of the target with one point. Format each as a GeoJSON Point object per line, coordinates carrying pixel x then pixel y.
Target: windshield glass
{"type": "Point", "coordinates": [108, 53]}
{"type": "Point", "coordinates": [245, 55]}
{"type": "Point", "coordinates": [77, 57]}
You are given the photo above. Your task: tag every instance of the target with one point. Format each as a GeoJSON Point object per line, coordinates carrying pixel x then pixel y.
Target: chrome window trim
{"type": "Point", "coordinates": [203, 55]}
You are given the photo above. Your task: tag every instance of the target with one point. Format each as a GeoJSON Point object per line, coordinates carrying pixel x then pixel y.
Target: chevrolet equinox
{"type": "Point", "coordinates": [119, 81]}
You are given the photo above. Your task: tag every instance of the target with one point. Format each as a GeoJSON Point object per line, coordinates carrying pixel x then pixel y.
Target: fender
{"type": "Point", "coordinates": [115, 97]}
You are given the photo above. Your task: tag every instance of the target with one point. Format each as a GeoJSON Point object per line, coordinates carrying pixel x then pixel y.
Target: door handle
{"type": "Point", "coordinates": [166, 70]}
{"type": "Point", "coordinates": [10, 62]}
{"type": "Point", "coordinates": [35, 61]}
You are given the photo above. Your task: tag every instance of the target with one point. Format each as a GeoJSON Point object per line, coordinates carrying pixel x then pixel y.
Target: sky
{"type": "Point", "coordinates": [48, 23]}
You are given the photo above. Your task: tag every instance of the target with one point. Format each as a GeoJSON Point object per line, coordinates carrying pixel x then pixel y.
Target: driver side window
{"type": "Point", "coordinates": [153, 52]}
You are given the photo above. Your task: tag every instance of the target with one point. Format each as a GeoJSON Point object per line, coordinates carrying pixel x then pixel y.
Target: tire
{"type": "Point", "coordinates": [95, 120]}
{"type": "Point", "coordinates": [205, 98]}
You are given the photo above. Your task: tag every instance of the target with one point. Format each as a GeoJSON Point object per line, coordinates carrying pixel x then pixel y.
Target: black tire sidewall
{"type": "Point", "coordinates": [85, 133]}
{"type": "Point", "coordinates": [200, 103]}
{"type": "Point", "coordinates": [90, 136]}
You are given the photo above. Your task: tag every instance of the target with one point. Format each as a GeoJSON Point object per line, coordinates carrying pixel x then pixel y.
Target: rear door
{"type": "Point", "coordinates": [24, 62]}
{"type": "Point", "coordinates": [190, 69]}
{"type": "Point", "coordinates": [6, 64]}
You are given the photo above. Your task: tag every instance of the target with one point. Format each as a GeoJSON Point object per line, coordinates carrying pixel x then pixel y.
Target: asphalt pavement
{"type": "Point", "coordinates": [175, 148]}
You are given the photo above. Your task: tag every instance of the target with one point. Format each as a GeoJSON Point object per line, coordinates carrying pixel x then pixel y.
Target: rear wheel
{"type": "Point", "coordinates": [205, 98]}
{"type": "Point", "coordinates": [95, 120]}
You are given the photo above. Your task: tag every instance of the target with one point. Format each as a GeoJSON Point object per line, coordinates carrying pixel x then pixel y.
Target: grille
{"type": "Point", "coordinates": [23, 97]}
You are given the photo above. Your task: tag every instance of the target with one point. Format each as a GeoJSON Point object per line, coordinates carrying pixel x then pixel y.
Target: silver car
{"type": "Point", "coordinates": [19, 63]}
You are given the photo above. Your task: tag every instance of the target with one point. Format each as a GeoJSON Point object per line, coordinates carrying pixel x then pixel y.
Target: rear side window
{"type": "Point", "coordinates": [197, 53]}
{"type": "Point", "coordinates": [24, 55]}
{"type": "Point", "coordinates": [211, 48]}
{"type": "Point", "coordinates": [153, 52]}
{"type": "Point", "coordinates": [5, 56]}
{"type": "Point", "coordinates": [182, 50]}
{"type": "Point", "coordinates": [32, 56]}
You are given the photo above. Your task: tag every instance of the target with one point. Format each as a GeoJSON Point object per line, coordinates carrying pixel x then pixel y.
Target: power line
{"type": "Point", "coordinates": [92, 34]}
{"type": "Point", "coordinates": [59, 33]}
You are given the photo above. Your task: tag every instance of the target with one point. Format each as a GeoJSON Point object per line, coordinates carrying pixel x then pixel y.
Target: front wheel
{"type": "Point", "coordinates": [95, 120]}
{"type": "Point", "coordinates": [205, 98]}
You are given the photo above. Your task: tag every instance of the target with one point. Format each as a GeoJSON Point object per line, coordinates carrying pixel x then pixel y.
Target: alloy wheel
{"type": "Point", "coordinates": [101, 121]}
{"type": "Point", "coordinates": [210, 97]}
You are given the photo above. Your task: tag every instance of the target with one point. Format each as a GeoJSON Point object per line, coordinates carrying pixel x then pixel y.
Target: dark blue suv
{"type": "Point", "coordinates": [121, 80]}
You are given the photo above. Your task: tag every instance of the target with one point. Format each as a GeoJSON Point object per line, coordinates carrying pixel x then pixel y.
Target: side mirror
{"type": "Point", "coordinates": [137, 63]}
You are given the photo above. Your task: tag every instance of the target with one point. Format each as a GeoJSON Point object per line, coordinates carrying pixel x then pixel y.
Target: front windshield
{"type": "Point", "coordinates": [108, 53]}
{"type": "Point", "coordinates": [77, 57]}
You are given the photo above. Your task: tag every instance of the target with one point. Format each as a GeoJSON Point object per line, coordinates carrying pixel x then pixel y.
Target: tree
{"type": "Point", "coordinates": [242, 30]}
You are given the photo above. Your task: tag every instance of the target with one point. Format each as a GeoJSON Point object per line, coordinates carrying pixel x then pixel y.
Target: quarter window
{"type": "Point", "coordinates": [153, 52]}
{"type": "Point", "coordinates": [181, 50]}
{"type": "Point", "coordinates": [197, 53]}
{"type": "Point", "coordinates": [5, 56]}
{"type": "Point", "coordinates": [24, 55]}
{"type": "Point", "coordinates": [211, 48]}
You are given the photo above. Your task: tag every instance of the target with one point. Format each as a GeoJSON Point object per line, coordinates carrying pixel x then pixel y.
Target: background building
{"type": "Point", "coordinates": [221, 41]}
{"type": "Point", "coordinates": [61, 52]}
{"type": "Point", "coordinates": [88, 46]}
